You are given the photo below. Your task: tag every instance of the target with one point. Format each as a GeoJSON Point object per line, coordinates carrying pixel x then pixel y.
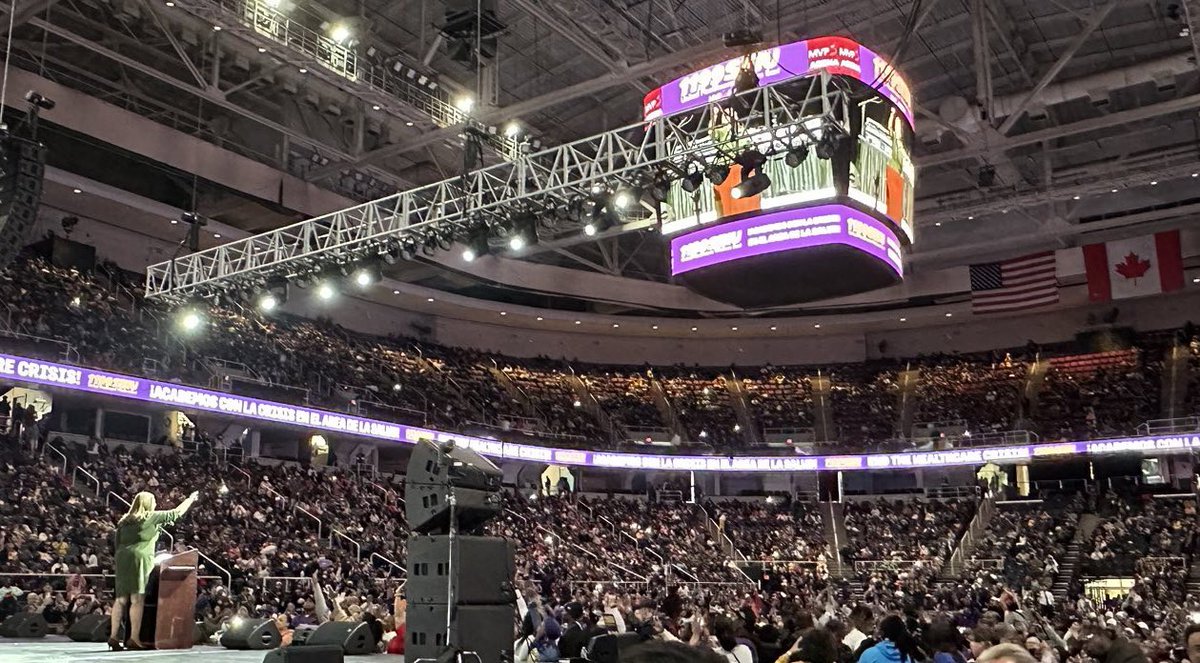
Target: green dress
{"type": "Point", "coordinates": [135, 549]}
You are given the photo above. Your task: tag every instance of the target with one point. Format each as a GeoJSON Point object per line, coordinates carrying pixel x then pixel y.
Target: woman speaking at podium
{"type": "Point", "coordinates": [137, 534]}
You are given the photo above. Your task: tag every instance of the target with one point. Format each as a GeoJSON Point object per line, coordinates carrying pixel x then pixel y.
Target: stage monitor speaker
{"type": "Point", "coordinates": [245, 633]}
{"type": "Point", "coordinates": [607, 648]}
{"type": "Point", "coordinates": [22, 166]}
{"type": "Point", "coordinates": [434, 471]}
{"type": "Point", "coordinates": [355, 638]}
{"type": "Point", "coordinates": [90, 628]}
{"type": "Point", "coordinates": [483, 570]}
{"type": "Point", "coordinates": [302, 633]}
{"type": "Point", "coordinates": [25, 625]}
{"type": "Point", "coordinates": [306, 654]}
{"type": "Point", "coordinates": [484, 629]}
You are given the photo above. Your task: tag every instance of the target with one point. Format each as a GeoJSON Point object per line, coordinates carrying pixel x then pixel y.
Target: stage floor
{"type": "Point", "coordinates": [58, 649]}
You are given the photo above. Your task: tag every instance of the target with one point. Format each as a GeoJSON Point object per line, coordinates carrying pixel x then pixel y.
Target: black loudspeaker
{"type": "Point", "coordinates": [355, 638]}
{"type": "Point", "coordinates": [483, 570]}
{"type": "Point", "coordinates": [245, 633]}
{"type": "Point", "coordinates": [302, 633]}
{"type": "Point", "coordinates": [22, 166]}
{"type": "Point", "coordinates": [607, 648]}
{"type": "Point", "coordinates": [484, 629]}
{"type": "Point", "coordinates": [434, 471]}
{"type": "Point", "coordinates": [90, 628]}
{"type": "Point", "coordinates": [307, 654]}
{"type": "Point", "coordinates": [24, 625]}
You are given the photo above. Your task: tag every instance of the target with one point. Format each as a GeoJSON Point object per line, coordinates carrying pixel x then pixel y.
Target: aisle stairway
{"type": "Point", "coordinates": [906, 405]}
{"type": "Point", "coordinates": [1068, 567]}
{"type": "Point", "coordinates": [824, 426]}
{"type": "Point", "coordinates": [833, 516]}
{"type": "Point", "coordinates": [1177, 373]}
{"type": "Point", "coordinates": [740, 403]}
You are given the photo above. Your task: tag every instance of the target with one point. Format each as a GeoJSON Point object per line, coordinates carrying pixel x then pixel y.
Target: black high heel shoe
{"type": "Point", "coordinates": [115, 645]}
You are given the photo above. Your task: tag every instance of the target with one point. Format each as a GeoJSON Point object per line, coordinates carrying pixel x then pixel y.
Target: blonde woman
{"type": "Point", "coordinates": [137, 534]}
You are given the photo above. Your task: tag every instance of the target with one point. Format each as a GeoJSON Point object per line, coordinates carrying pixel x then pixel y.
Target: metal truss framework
{"type": "Point", "coordinates": [405, 96]}
{"type": "Point", "coordinates": [545, 183]}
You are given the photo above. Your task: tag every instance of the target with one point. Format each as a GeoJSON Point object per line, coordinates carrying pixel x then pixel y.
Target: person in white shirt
{"type": "Point", "coordinates": [862, 624]}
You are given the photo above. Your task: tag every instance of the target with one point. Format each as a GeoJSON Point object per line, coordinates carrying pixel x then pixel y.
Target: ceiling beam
{"type": "Point", "coordinates": [1090, 27]}
{"type": "Point", "coordinates": [526, 107]}
{"type": "Point", "coordinates": [1153, 111]}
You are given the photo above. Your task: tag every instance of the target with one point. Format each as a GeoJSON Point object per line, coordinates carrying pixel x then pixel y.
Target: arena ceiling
{"type": "Point", "coordinates": [1089, 107]}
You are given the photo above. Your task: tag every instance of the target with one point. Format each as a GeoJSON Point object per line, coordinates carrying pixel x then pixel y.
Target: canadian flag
{"type": "Point", "coordinates": [1134, 267]}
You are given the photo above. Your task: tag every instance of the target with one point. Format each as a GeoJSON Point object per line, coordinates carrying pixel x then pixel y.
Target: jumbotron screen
{"type": "Point", "coordinates": [857, 169]}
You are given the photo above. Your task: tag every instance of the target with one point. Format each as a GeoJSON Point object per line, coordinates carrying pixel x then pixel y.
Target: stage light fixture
{"type": "Point", "coordinates": [796, 156]}
{"type": "Point", "coordinates": [750, 161]}
{"type": "Point", "coordinates": [598, 189]}
{"type": "Point", "coordinates": [190, 320]}
{"type": "Point", "coordinates": [477, 244]}
{"type": "Point", "coordinates": [751, 186]}
{"type": "Point", "coordinates": [987, 176]}
{"type": "Point", "coordinates": [340, 32]}
{"type": "Point", "coordinates": [692, 181]}
{"type": "Point", "coordinates": [718, 174]}
{"type": "Point", "coordinates": [268, 303]}
{"type": "Point", "coordinates": [326, 291]}
{"type": "Point", "coordinates": [465, 103]}
{"type": "Point", "coordinates": [658, 189]}
{"type": "Point", "coordinates": [625, 198]}
{"type": "Point", "coordinates": [512, 129]}
{"type": "Point", "coordinates": [408, 249]}
{"type": "Point", "coordinates": [831, 139]}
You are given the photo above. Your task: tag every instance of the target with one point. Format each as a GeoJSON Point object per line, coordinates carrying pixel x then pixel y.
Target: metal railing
{"type": "Point", "coordinates": [297, 507]}
{"type": "Point", "coordinates": [63, 456]}
{"type": "Point", "coordinates": [223, 570]}
{"type": "Point", "coordinates": [975, 531]}
{"type": "Point", "coordinates": [357, 547]}
{"type": "Point", "coordinates": [385, 560]}
{"type": "Point", "coordinates": [79, 470]}
{"type": "Point", "coordinates": [1170, 426]}
{"type": "Point", "coordinates": [249, 479]}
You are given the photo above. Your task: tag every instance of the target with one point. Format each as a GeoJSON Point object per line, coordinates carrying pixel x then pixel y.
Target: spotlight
{"type": "Point", "coordinates": [987, 176]}
{"type": "Point", "coordinates": [268, 303]}
{"type": "Point", "coordinates": [477, 244]}
{"type": "Point", "coordinates": [590, 229]}
{"type": "Point", "coordinates": [326, 291]}
{"type": "Point", "coordinates": [625, 198]}
{"type": "Point", "coordinates": [524, 231]}
{"type": "Point", "coordinates": [750, 160]}
{"type": "Point", "coordinates": [362, 279]}
{"type": "Point", "coordinates": [366, 274]}
{"type": "Point", "coordinates": [516, 243]}
{"type": "Point", "coordinates": [751, 186]}
{"type": "Point", "coordinates": [340, 33]}
{"type": "Point", "coordinates": [598, 189]}
{"type": "Point", "coordinates": [190, 321]}
{"type": "Point", "coordinates": [35, 98]}
{"type": "Point", "coordinates": [831, 139]}
{"type": "Point", "coordinates": [465, 103]}
{"type": "Point", "coordinates": [512, 129]}
{"type": "Point", "coordinates": [692, 181]}
{"type": "Point", "coordinates": [718, 174]}
{"type": "Point", "coordinates": [796, 156]}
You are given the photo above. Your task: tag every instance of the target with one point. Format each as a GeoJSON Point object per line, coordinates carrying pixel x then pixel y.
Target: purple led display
{"type": "Point", "coordinates": [786, 230]}
{"type": "Point", "coordinates": [34, 371]}
{"type": "Point", "coordinates": [837, 55]}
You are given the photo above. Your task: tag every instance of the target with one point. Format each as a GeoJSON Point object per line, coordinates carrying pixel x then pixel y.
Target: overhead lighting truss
{"type": "Point", "coordinates": [542, 183]}
{"type": "Point", "coordinates": [396, 88]}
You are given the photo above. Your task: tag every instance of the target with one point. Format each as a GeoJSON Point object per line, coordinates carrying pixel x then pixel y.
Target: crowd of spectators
{"type": "Point", "coordinates": [778, 529]}
{"type": "Point", "coordinates": [106, 323]}
{"type": "Point", "coordinates": [1026, 543]}
{"type": "Point", "coordinates": [1140, 528]}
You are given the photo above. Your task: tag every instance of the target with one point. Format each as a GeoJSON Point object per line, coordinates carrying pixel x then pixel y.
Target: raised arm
{"type": "Point", "coordinates": [168, 517]}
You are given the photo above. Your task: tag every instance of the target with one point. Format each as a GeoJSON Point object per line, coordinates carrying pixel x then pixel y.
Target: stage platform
{"type": "Point", "coordinates": [58, 649]}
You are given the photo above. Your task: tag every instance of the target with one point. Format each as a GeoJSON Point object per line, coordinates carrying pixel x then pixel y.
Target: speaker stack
{"type": "Point", "coordinates": [22, 166]}
{"type": "Point", "coordinates": [246, 633]}
{"type": "Point", "coordinates": [451, 493]}
{"type": "Point", "coordinates": [90, 628]}
{"type": "Point", "coordinates": [24, 625]}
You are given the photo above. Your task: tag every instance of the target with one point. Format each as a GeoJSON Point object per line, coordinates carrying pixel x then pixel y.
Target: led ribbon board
{"type": "Point", "coordinates": [35, 371]}
{"type": "Point", "coordinates": [836, 55]}
{"type": "Point", "coordinates": [786, 230]}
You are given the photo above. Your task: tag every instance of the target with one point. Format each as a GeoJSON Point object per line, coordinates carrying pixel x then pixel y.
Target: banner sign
{"type": "Point", "coordinates": [836, 55]}
{"type": "Point", "coordinates": [786, 230]}
{"type": "Point", "coordinates": [34, 371]}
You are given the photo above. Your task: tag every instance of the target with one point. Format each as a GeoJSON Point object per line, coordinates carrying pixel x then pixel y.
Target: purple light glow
{"type": "Point", "coordinates": [786, 230]}
{"type": "Point", "coordinates": [34, 371]}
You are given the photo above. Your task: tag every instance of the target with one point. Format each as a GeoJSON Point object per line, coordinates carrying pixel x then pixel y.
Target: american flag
{"type": "Point", "coordinates": [1014, 285]}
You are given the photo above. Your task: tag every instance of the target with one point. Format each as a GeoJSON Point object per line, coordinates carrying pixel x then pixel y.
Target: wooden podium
{"type": "Point", "coordinates": [169, 618]}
